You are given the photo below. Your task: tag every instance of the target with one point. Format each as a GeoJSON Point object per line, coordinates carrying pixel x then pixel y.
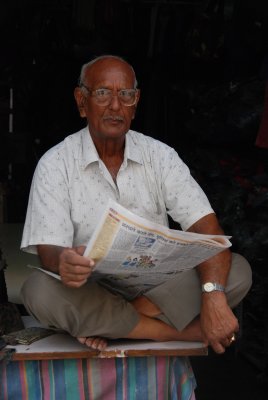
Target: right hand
{"type": "Point", "coordinates": [74, 269]}
{"type": "Point", "coordinates": [218, 323]}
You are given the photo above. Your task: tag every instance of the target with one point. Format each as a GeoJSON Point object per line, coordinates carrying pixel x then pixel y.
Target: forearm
{"type": "Point", "coordinates": [215, 269]}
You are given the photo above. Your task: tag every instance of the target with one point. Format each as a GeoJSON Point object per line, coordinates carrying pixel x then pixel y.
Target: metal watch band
{"type": "Point", "coordinates": [211, 287]}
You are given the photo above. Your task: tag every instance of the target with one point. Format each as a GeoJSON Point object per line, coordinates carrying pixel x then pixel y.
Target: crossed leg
{"type": "Point", "coordinates": [185, 291]}
{"type": "Point", "coordinates": [91, 313]}
{"type": "Point", "coordinates": [149, 327]}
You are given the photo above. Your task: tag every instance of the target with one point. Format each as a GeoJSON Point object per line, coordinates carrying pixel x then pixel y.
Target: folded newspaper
{"type": "Point", "coordinates": [133, 255]}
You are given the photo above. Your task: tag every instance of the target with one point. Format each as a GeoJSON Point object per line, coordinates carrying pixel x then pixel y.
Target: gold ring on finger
{"type": "Point", "coordinates": [232, 338]}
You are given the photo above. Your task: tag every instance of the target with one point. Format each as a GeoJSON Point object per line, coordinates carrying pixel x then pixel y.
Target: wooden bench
{"type": "Point", "coordinates": [59, 367]}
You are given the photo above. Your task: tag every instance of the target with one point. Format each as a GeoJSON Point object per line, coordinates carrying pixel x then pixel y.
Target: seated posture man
{"type": "Point", "coordinates": [70, 189]}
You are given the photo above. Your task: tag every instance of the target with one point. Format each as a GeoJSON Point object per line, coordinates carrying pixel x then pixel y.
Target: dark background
{"type": "Point", "coordinates": [202, 67]}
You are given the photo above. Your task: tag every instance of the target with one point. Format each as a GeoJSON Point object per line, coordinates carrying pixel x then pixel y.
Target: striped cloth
{"type": "Point", "coordinates": [133, 378]}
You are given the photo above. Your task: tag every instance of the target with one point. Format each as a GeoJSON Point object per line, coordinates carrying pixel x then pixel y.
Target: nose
{"type": "Point", "coordinates": [115, 102]}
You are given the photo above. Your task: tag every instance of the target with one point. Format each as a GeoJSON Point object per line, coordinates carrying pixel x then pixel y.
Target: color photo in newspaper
{"type": "Point", "coordinates": [133, 254]}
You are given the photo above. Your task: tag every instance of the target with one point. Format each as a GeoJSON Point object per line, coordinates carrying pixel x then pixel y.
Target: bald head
{"type": "Point", "coordinates": [106, 98]}
{"type": "Point", "coordinates": [99, 61]}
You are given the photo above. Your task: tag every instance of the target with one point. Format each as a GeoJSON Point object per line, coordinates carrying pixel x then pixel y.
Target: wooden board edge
{"type": "Point", "coordinates": [202, 351]}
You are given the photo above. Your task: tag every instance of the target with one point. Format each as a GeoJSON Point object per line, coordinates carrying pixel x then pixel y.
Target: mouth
{"type": "Point", "coordinates": [113, 119]}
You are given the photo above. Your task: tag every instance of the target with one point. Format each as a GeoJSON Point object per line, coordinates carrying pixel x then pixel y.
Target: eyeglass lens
{"type": "Point", "coordinates": [104, 96]}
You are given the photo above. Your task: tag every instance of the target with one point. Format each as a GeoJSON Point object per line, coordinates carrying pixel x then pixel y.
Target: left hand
{"type": "Point", "coordinates": [74, 268]}
{"type": "Point", "coordinates": [218, 322]}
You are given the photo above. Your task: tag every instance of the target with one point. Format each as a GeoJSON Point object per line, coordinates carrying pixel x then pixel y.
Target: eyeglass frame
{"type": "Point", "coordinates": [90, 91]}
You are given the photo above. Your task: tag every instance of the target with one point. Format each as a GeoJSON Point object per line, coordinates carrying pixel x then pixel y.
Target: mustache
{"type": "Point", "coordinates": [113, 118]}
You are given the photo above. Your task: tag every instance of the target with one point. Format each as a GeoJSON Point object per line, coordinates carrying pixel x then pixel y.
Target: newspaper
{"type": "Point", "coordinates": [133, 255]}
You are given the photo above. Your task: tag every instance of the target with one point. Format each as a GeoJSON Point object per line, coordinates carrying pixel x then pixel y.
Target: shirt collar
{"type": "Point", "coordinates": [90, 154]}
{"type": "Point", "coordinates": [132, 151]}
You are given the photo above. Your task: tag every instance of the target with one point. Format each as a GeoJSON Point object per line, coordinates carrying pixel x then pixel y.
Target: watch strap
{"type": "Point", "coordinates": [212, 286]}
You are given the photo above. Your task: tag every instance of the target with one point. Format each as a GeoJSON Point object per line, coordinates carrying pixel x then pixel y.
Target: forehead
{"type": "Point", "coordinates": [110, 72]}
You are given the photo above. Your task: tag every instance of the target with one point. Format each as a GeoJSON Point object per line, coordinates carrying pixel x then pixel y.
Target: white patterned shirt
{"type": "Point", "coordinates": [71, 186]}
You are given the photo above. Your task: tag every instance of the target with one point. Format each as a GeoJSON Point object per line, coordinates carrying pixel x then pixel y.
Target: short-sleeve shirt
{"type": "Point", "coordinates": [71, 187]}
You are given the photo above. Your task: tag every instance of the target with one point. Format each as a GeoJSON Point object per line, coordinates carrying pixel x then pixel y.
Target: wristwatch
{"type": "Point", "coordinates": [211, 286]}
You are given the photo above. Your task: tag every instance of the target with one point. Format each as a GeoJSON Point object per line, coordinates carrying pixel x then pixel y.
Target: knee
{"type": "Point", "coordinates": [240, 274]}
{"type": "Point", "coordinates": [35, 295]}
{"type": "Point", "coordinates": [28, 289]}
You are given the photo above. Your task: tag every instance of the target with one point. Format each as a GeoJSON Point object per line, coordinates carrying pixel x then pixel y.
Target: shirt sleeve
{"type": "Point", "coordinates": [48, 214]}
{"type": "Point", "coordinates": [185, 200]}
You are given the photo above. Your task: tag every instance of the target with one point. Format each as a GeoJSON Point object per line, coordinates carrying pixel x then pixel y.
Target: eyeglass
{"type": "Point", "coordinates": [103, 97]}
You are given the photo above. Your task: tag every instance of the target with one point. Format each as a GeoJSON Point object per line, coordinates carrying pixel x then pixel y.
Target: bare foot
{"type": "Point", "coordinates": [96, 343]}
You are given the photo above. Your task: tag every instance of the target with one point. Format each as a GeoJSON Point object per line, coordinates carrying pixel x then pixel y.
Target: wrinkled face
{"type": "Point", "coordinates": [111, 121]}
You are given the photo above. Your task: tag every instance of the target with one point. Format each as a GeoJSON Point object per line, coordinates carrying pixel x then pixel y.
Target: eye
{"type": "Point", "coordinates": [126, 93]}
{"type": "Point", "coordinates": [102, 92]}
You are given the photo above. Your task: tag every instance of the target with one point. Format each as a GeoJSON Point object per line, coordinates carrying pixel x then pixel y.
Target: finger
{"type": "Point", "coordinates": [226, 342]}
{"type": "Point", "coordinates": [74, 284]}
{"type": "Point", "coordinates": [75, 276]}
{"type": "Point", "coordinates": [218, 347]}
{"type": "Point", "coordinates": [74, 271]}
{"type": "Point", "coordinates": [76, 259]}
{"type": "Point", "coordinates": [232, 339]}
{"type": "Point", "coordinates": [80, 250]}
{"type": "Point", "coordinates": [71, 257]}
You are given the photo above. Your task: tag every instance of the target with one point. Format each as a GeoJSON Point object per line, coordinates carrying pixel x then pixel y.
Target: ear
{"type": "Point", "coordinates": [80, 101]}
{"type": "Point", "coordinates": [134, 112]}
{"type": "Point", "coordinates": [136, 105]}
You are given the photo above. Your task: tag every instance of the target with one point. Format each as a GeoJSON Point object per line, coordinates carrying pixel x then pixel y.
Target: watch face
{"type": "Point", "coordinates": [208, 287]}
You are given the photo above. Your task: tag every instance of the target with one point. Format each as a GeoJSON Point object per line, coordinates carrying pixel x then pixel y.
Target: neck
{"type": "Point", "coordinates": [111, 152]}
{"type": "Point", "coordinates": [110, 148]}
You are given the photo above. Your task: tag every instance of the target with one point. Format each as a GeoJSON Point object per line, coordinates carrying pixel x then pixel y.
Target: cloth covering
{"type": "Point", "coordinates": [135, 378]}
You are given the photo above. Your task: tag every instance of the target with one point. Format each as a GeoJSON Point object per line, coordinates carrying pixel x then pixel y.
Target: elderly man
{"type": "Point", "coordinates": [69, 192]}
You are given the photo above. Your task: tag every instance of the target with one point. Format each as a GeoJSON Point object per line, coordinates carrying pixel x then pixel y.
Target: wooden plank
{"type": "Point", "coordinates": [63, 346]}
{"type": "Point", "coordinates": [109, 354]}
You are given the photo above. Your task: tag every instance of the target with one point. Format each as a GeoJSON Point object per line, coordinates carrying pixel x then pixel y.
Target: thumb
{"type": "Point", "coordinates": [80, 250]}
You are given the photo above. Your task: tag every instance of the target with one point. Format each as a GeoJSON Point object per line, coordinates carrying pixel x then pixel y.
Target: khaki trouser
{"type": "Point", "coordinates": [94, 311]}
